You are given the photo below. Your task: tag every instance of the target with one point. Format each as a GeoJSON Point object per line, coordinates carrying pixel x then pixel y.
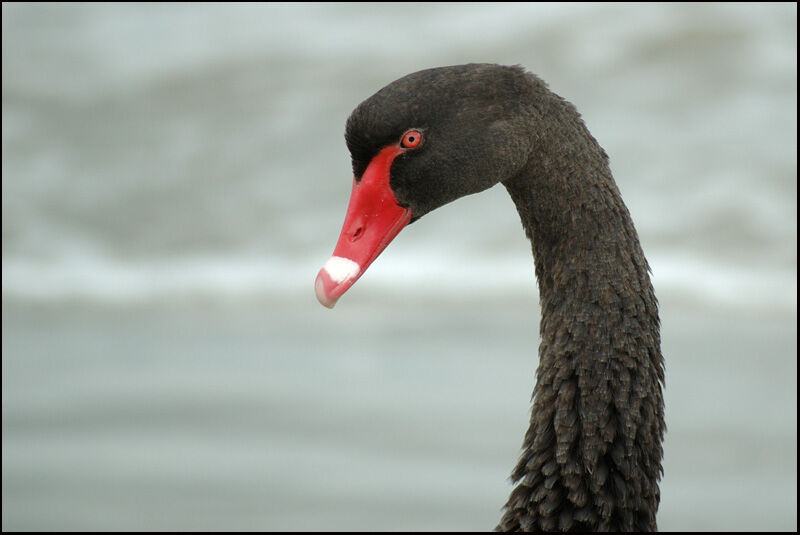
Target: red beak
{"type": "Point", "coordinates": [373, 219]}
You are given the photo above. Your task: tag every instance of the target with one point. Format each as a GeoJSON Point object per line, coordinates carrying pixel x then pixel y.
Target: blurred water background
{"type": "Point", "coordinates": [175, 175]}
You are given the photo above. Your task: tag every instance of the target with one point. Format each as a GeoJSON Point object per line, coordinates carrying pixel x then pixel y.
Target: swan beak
{"type": "Point", "coordinates": [372, 221]}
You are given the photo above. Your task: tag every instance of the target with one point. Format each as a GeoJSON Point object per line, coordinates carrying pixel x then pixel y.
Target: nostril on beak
{"type": "Point", "coordinates": [357, 234]}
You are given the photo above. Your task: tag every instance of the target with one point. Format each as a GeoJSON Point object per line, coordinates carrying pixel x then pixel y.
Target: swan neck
{"type": "Point", "coordinates": [592, 455]}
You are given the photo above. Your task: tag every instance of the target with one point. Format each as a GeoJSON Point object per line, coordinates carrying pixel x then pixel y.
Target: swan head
{"type": "Point", "coordinates": [419, 143]}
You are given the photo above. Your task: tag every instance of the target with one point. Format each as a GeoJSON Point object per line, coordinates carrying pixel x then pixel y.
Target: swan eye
{"type": "Point", "coordinates": [411, 139]}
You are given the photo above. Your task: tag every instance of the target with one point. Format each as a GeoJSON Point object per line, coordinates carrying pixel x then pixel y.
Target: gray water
{"type": "Point", "coordinates": [174, 176]}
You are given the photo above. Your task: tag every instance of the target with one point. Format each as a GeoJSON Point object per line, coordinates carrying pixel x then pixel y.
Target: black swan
{"type": "Point", "coordinates": [591, 458]}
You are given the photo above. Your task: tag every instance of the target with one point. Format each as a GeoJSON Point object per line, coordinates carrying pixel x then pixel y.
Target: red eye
{"type": "Point", "coordinates": [411, 139]}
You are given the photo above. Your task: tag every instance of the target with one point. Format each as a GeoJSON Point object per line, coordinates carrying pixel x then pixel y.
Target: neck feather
{"type": "Point", "coordinates": [592, 455]}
